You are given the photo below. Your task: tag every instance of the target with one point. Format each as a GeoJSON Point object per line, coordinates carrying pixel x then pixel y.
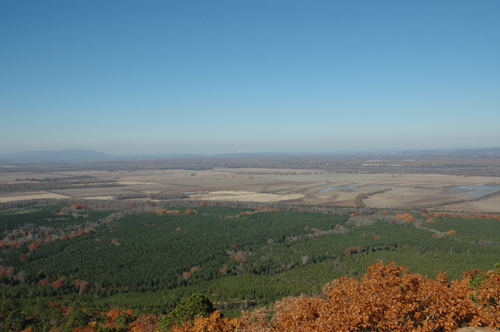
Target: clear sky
{"type": "Point", "coordinates": [248, 75]}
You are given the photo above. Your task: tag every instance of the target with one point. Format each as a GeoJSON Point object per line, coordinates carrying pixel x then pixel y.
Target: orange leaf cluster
{"type": "Point", "coordinates": [451, 232]}
{"type": "Point", "coordinates": [195, 269]}
{"type": "Point", "coordinates": [430, 220]}
{"type": "Point", "coordinates": [34, 246]}
{"type": "Point", "coordinates": [405, 216]}
{"type": "Point", "coordinates": [241, 257]}
{"type": "Point", "coordinates": [144, 323]}
{"type": "Point", "coordinates": [111, 317]}
{"type": "Point", "coordinates": [353, 250]}
{"type": "Point", "coordinates": [6, 271]}
{"type": "Point", "coordinates": [23, 258]}
{"type": "Point", "coordinates": [213, 323]}
{"type": "Point", "coordinates": [80, 285]}
{"type": "Point", "coordinates": [58, 284]}
{"type": "Point", "coordinates": [44, 282]}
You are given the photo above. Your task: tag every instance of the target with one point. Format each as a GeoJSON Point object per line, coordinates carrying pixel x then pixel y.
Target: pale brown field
{"type": "Point", "coordinates": [31, 195]}
{"type": "Point", "coordinates": [272, 185]}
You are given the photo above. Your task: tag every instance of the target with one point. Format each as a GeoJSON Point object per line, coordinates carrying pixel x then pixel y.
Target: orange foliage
{"type": "Point", "coordinates": [113, 314]}
{"type": "Point", "coordinates": [84, 329]}
{"type": "Point", "coordinates": [34, 246]}
{"type": "Point", "coordinates": [178, 229]}
{"type": "Point", "coordinates": [408, 217]}
{"type": "Point", "coordinates": [80, 285]}
{"type": "Point", "coordinates": [213, 323]}
{"type": "Point", "coordinates": [78, 206]}
{"type": "Point", "coordinates": [429, 220]}
{"type": "Point", "coordinates": [355, 214]}
{"type": "Point", "coordinates": [190, 211]}
{"type": "Point", "coordinates": [161, 212]}
{"type": "Point", "coordinates": [15, 244]}
{"type": "Point", "coordinates": [223, 270]}
{"type": "Point", "coordinates": [23, 258]}
{"type": "Point", "coordinates": [451, 232]}
{"type": "Point", "coordinates": [144, 323]}
{"type": "Point", "coordinates": [387, 298]}
{"type": "Point", "coordinates": [386, 213]}
{"type": "Point", "coordinates": [215, 204]}
{"type": "Point", "coordinates": [353, 250]}
{"type": "Point", "coordinates": [195, 269]}
{"type": "Point", "coordinates": [58, 284]}
{"type": "Point", "coordinates": [235, 245]}
{"type": "Point", "coordinates": [377, 237]}
{"type": "Point", "coordinates": [114, 240]}
{"type": "Point", "coordinates": [186, 275]}
{"type": "Point", "coordinates": [241, 257]}
{"type": "Point", "coordinates": [203, 203]}
{"type": "Point", "coordinates": [152, 203]}
{"type": "Point", "coordinates": [44, 282]}
{"type": "Point", "coordinates": [438, 215]}
{"type": "Point", "coordinates": [9, 271]}
{"type": "Point", "coordinates": [97, 240]}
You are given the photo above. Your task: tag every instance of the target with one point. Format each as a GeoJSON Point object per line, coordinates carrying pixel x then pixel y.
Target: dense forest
{"type": "Point", "coordinates": [150, 257]}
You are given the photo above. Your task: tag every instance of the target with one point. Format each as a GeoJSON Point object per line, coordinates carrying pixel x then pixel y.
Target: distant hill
{"type": "Point", "coordinates": [56, 156]}
{"type": "Point", "coordinates": [81, 156]}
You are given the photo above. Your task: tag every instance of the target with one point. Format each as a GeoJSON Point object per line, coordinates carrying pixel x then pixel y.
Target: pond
{"type": "Point", "coordinates": [349, 187]}
{"type": "Point", "coordinates": [479, 190]}
{"type": "Point", "coordinates": [326, 190]}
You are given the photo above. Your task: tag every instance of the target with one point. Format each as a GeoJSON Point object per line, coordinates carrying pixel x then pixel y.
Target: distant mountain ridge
{"type": "Point", "coordinates": [64, 155]}
{"type": "Point", "coordinates": [79, 156]}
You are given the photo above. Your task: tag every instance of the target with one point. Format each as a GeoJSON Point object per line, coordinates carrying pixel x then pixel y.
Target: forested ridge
{"type": "Point", "coordinates": [149, 258]}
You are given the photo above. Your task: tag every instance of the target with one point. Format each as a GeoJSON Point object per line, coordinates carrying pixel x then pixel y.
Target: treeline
{"type": "Point", "coordinates": [32, 184]}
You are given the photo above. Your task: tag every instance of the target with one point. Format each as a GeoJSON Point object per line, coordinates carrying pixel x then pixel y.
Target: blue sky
{"type": "Point", "coordinates": [253, 76]}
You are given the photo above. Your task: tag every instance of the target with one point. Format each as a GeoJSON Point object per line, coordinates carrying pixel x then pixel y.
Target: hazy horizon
{"type": "Point", "coordinates": [253, 77]}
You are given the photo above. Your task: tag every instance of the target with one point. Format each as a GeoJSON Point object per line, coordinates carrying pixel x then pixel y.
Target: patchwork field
{"type": "Point", "coordinates": [449, 192]}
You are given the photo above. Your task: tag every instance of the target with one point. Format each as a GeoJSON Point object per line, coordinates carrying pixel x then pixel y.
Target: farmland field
{"type": "Point", "coordinates": [307, 187]}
